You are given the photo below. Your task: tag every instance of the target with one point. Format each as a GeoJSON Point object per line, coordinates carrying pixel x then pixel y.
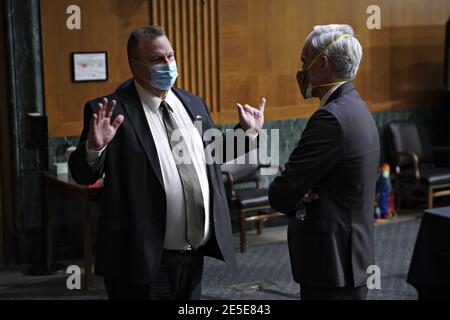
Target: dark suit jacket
{"type": "Point", "coordinates": [133, 214]}
{"type": "Point", "coordinates": [337, 157]}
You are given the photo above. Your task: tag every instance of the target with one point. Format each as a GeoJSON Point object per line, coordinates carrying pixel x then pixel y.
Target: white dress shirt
{"type": "Point", "coordinates": [327, 95]}
{"type": "Point", "coordinates": [176, 233]}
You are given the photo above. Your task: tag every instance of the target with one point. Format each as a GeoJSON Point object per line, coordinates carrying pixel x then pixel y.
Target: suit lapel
{"type": "Point", "coordinates": [133, 107]}
{"type": "Point", "coordinates": [186, 101]}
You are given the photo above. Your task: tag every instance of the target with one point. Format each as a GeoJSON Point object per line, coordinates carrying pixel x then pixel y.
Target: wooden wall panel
{"type": "Point", "coordinates": [260, 43]}
{"type": "Point", "coordinates": [105, 26]}
{"type": "Point", "coordinates": [191, 26]}
{"type": "Point", "coordinates": [232, 51]}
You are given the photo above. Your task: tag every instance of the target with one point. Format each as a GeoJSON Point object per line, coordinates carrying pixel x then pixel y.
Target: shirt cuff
{"type": "Point", "coordinates": [92, 155]}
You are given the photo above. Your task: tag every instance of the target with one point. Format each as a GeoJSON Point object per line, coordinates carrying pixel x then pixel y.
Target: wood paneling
{"type": "Point", "coordinates": [191, 26]}
{"type": "Point", "coordinates": [232, 51]}
{"type": "Point", "coordinates": [105, 26]}
{"type": "Point", "coordinates": [260, 43]}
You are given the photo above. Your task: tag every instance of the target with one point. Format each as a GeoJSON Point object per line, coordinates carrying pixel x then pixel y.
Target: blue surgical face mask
{"type": "Point", "coordinates": [163, 76]}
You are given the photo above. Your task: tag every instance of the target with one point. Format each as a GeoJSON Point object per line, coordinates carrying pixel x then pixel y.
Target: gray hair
{"type": "Point", "coordinates": [344, 54]}
{"type": "Point", "coordinates": [150, 32]}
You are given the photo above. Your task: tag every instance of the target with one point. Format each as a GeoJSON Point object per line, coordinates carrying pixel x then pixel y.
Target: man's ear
{"type": "Point", "coordinates": [324, 61]}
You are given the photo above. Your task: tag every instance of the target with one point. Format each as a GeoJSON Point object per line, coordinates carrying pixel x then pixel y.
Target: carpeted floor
{"type": "Point", "coordinates": [263, 271]}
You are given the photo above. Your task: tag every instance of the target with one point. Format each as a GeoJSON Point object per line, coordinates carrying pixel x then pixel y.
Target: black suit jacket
{"type": "Point", "coordinates": [133, 214]}
{"type": "Point", "coordinates": [337, 157]}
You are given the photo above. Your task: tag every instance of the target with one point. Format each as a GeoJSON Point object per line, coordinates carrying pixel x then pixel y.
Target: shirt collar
{"type": "Point", "coordinates": [327, 95]}
{"type": "Point", "coordinates": [152, 101]}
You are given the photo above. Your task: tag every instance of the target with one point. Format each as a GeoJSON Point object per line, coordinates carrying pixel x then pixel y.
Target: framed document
{"type": "Point", "coordinates": [89, 66]}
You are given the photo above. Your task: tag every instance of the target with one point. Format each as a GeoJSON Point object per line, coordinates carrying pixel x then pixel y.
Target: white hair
{"type": "Point", "coordinates": [344, 54]}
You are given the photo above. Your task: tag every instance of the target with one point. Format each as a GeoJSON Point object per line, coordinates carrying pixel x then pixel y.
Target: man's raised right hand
{"type": "Point", "coordinates": [102, 128]}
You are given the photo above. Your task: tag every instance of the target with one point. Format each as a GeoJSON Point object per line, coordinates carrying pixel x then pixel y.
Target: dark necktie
{"type": "Point", "coordinates": [195, 210]}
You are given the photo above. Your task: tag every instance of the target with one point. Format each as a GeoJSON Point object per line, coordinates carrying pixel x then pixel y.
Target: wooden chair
{"type": "Point", "coordinates": [244, 194]}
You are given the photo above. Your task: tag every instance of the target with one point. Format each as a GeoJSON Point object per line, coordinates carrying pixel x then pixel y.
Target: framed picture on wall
{"type": "Point", "coordinates": [89, 66]}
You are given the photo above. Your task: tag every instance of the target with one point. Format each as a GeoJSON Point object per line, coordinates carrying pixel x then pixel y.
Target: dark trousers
{"type": "Point", "coordinates": [330, 293]}
{"type": "Point", "coordinates": [179, 277]}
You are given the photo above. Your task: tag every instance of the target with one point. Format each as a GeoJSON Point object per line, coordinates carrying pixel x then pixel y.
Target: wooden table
{"type": "Point", "coordinates": [87, 194]}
